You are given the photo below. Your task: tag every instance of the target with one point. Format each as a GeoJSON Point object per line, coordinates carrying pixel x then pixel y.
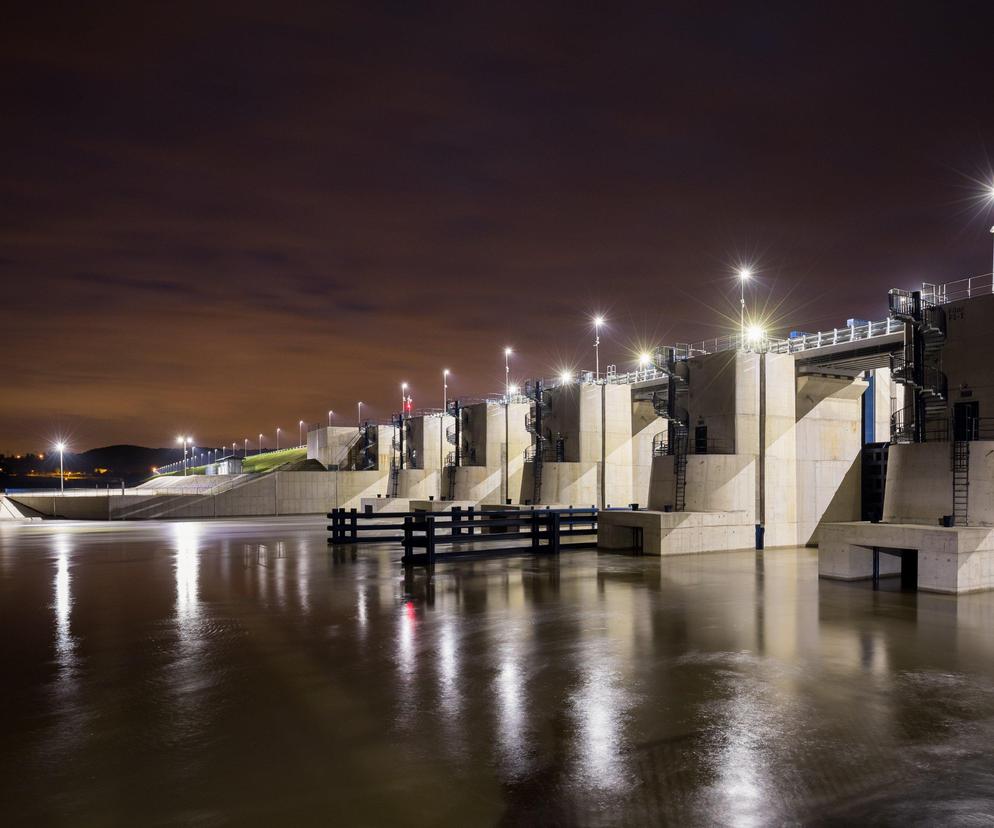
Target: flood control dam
{"type": "Point", "coordinates": [873, 440]}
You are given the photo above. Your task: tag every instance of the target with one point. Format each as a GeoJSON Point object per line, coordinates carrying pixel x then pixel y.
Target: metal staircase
{"type": "Point", "coordinates": [362, 450]}
{"type": "Point", "coordinates": [680, 467]}
{"type": "Point", "coordinates": [961, 482]}
{"type": "Point", "coordinates": [671, 406]}
{"type": "Point", "coordinates": [919, 368]}
{"type": "Point", "coordinates": [453, 435]}
{"type": "Point", "coordinates": [533, 422]}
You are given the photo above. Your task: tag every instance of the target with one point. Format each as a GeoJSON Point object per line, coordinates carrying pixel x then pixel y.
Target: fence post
{"type": "Point", "coordinates": [456, 520]}
{"type": "Point", "coordinates": [535, 529]}
{"type": "Point", "coordinates": [354, 526]}
{"type": "Point", "coordinates": [554, 526]}
{"type": "Point", "coordinates": [430, 543]}
{"type": "Point", "coordinates": [406, 560]}
{"type": "Point", "coordinates": [472, 528]}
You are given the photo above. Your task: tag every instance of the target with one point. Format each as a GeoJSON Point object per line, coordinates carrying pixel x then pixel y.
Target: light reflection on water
{"type": "Point", "coordinates": [211, 665]}
{"type": "Point", "coordinates": [187, 568]}
{"type": "Point", "coordinates": [64, 644]}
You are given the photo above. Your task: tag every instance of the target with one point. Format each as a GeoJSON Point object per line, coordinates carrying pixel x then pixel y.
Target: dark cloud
{"type": "Point", "coordinates": [226, 218]}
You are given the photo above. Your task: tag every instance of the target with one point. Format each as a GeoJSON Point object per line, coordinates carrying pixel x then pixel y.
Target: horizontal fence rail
{"type": "Point", "coordinates": [469, 532]}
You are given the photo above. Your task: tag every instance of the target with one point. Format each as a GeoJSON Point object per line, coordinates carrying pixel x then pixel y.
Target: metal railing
{"type": "Point", "coordinates": [982, 285]}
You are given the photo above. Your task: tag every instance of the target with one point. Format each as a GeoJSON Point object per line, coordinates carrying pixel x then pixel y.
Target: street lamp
{"type": "Point", "coordinates": [644, 360]}
{"type": "Point", "coordinates": [598, 321]}
{"type": "Point", "coordinates": [278, 430]}
{"type": "Point", "coordinates": [744, 275]}
{"type": "Point", "coordinates": [403, 399]}
{"type": "Point", "coordinates": [330, 415]}
{"type": "Point", "coordinates": [441, 429]}
{"type": "Point", "coordinates": [507, 423]}
{"type": "Point", "coordinates": [186, 441]}
{"type": "Point", "coordinates": [60, 447]}
{"type": "Point", "coordinates": [245, 448]}
{"type": "Point", "coordinates": [300, 433]}
{"type": "Point", "coordinates": [260, 443]}
{"type": "Point", "coordinates": [359, 408]}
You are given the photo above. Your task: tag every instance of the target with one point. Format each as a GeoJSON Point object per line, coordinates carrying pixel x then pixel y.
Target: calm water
{"type": "Point", "coordinates": [222, 672]}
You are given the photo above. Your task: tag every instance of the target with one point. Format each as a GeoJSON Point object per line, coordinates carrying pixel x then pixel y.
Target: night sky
{"type": "Point", "coordinates": [220, 218]}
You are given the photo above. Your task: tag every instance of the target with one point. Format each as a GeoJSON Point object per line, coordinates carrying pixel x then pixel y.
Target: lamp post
{"type": "Point", "coordinates": [598, 321]}
{"type": "Point", "coordinates": [61, 447]}
{"type": "Point", "coordinates": [278, 430]}
{"type": "Point", "coordinates": [507, 422]}
{"type": "Point", "coordinates": [330, 415]}
{"type": "Point", "coordinates": [403, 399]}
{"type": "Point", "coordinates": [744, 275]}
{"type": "Point", "coordinates": [441, 429]}
{"type": "Point", "coordinates": [359, 409]}
{"type": "Point", "coordinates": [245, 448]}
{"type": "Point", "coordinates": [260, 443]}
{"type": "Point", "coordinates": [300, 433]}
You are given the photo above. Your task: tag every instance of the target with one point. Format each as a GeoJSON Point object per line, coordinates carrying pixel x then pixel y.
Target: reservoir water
{"type": "Point", "coordinates": [238, 672]}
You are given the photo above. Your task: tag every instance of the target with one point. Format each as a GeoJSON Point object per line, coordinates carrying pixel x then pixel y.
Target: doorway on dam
{"type": "Point", "coordinates": [908, 575]}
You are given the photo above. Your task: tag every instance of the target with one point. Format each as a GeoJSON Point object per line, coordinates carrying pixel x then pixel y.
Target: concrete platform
{"type": "Point", "coordinates": [676, 533]}
{"type": "Point", "coordinates": [950, 560]}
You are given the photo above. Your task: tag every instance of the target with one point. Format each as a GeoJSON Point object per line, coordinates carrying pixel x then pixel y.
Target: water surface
{"type": "Point", "coordinates": [238, 672]}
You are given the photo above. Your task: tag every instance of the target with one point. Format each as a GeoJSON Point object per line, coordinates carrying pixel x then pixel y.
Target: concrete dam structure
{"type": "Point", "coordinates": [866, 439]}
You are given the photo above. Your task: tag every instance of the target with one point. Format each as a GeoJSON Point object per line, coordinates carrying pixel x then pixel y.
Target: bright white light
{"type": "Point", "coordinates": [60, 446]}
{"type": "Point", "coordinates": [565, 377]}
{"type": "Point", "coordinates": [512, 389]}
{"type": "Point", "coordinates": [598, 321]}
{"type": "Point", "coordinates": [445, 372]}
{"type": "Point", "coordinates": [754, 333]}
{"type": "Point", "coordinates": [745, 274]}
{"type": "Point", "coordinates": [644, 359]}
{"type": "Point", "coordinates": [507, 352]}
{"type": "Point", "coordinates": [990, 193]}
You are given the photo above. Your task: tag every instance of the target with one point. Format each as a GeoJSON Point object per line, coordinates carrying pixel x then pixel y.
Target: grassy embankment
{"type": "Point", "coordinates": [255, 463]}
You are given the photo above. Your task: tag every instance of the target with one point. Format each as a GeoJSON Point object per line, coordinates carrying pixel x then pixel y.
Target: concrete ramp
{"type": "Point", "coordinates": [14, 511]}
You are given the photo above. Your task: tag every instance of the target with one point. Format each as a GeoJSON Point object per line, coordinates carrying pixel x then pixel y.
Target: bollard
{"type": "Point", "coordinates": [760, 535]}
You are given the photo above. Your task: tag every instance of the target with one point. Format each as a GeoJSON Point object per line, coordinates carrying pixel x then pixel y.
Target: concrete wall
{"type": "Point", "coordinates": [597, 422]}
{"type": "Point", "coordinates": [712, 396]}
{"type": "Point", "coordinates": [646, 424]}
{"type": "Point", "coordinates": [969, 352]}
{"type": "Point", "coordinates": [329, 445]}
{"type": "Point", "coordinates": [424, 440]}
{"type": "Point", "coordinates": [564, 484]}
{"type": "Point", "coordinates": [829, 444]}
{"type": "Point", "coordinates": [812, 442]}
{"type": "Point", "coordinates": [919, 485]}
{"type": "Point", "coordinates": [715, 483]}
{"type": "Point", "coordinates": [676, 533]}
